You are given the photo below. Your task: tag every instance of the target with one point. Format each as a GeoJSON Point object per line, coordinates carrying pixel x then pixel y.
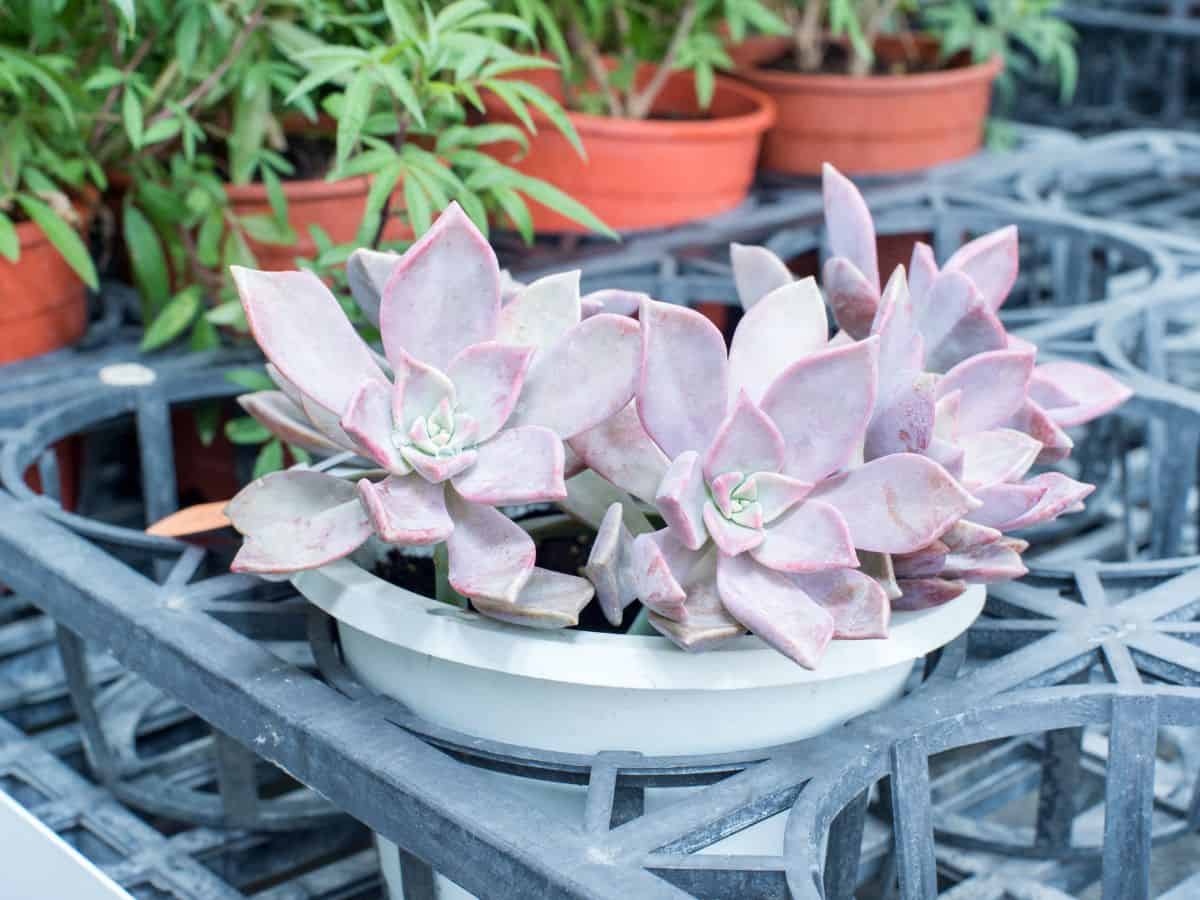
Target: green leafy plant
{"type": "Point", "coordinates": [1027, 33]}
{"type": "Point", "coordinates": [602, 44]}
{"type": "Point", "coordinates": [1024, 32]}
{"type": "Point", "coordinates": [45, 166]}
{"type": "Point", "coordinates": [195, 96]}
{"type": "Point", "coordinates": [402, 99]}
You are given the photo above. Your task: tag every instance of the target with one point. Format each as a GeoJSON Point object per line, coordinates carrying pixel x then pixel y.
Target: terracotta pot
{"type": "Point", "coordinates": [69, 456]}
{"type": "Point", "coordinates": [336, 206]}
{"type": "Point", "coordinates": [871, 125]}
{"type": "Point", "coordinates": [646, 174]}
{"type": "Point", "coordinates": [43, 303]}
{"type": "Point", "coordinates": [202, 473]}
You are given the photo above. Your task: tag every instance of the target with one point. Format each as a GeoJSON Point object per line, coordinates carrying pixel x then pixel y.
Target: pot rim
{"type": "Point", "coordinates": [755, 122]}
{"type": "Point", "coordinates": [364, 601]}
{"type": "Point", "coordinates": [920, 82]}
{"type": "Point", "coordinates": [300, 189]}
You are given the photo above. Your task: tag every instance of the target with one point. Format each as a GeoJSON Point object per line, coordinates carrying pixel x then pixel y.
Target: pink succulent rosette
{"type": "Point", "coordinates": [751, 457]}
{"type": "Point", "coordinates": [468, 412]}
{"type": "Point", "coordinates": [953, 386]}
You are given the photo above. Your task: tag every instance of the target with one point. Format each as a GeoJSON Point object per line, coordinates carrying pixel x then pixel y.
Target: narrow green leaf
{"type": "Point", "coordinates": [128, 13]}
{"type": "Point", "coordinates": [187, 39]}
{"type": "Point", "coordinates": [173, 320]}
{"type": "Point", "coordinates": [550, 108]}
{"type": "Point", "coordinates": [455, 13]}
{"type": "Point", "coordinates": [245, 430]}
{"type": "Point", "coordinates": [104, 79]}
{"type": "Point", "coordinates": [549, 195]}
{"type": "Point", "coordinates": [208, 241]}
{"type": "Point", "coordinates": [269, 459]}
{"type": "Point", "coordinates": [511, 96]}
{"type": "Point", "coordinates": [251, 379]}
{"type": "Point", "coordinates": [382, 185]}
{"type": "Point", "coordinates": [268, 230]}
{"type": "Point", "coordinates": [64, 238]}
{"type": "Point", "coordinates": [299, 454]}
{"type": "Point", "coordinates": [229, 314]}
{"type": "Point", "coordinates": [21, 64]}
{"type": "Point", "coordinates": [146, 255]}
{"type": "Point", "coordinates": [478, 135]}
{"type": "Point", "coordinates": [705, 84]}
{"type": "Point", "coordinates": [236, 252]}
{"type": "Point", "coordinates": [204, 336]}
{"type": "Point", "coordinates": [403, 26]}
{"type": "Point", "coordinates": [252, 113]}
{"type": "Point", "coordinates": [356, 105]}
{"type": "Point", "coordinates": [323, 71]}
{"type": "Point", "coordinates": [207, 417]}
{"type": "Point", "coordinates": [131, 114]}
{"type": "Point", "coordinates": [416, 202]}
{"type": "Point", "coordinates": [518, 213]}
{"type": "Point", "coordinates": [275, 195]}
{"type": "Point", "coordinates": [10, 244]}
{"type": "Point", "coordinates": [402, 89]}
{"type": "Point", "coordinates": [161, 131]}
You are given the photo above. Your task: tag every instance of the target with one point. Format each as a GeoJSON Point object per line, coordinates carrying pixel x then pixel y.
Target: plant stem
{"type": "Point", "coordinates": [444, 592]}
{"type": "Point", "coordinates": [115, 91]}
{"type": "Point", "coordinates": [201, 90]}
{"type": "Point", "coordinates": [875, 20]}
{"type": "Point", "coordinates": [642, 102]}
{"type": "Point", "coordinates": [809, 36]}
{"type": "Point", "coordinates": [398, 144]}
{"type": "Point", "coordinates": [591, 56]}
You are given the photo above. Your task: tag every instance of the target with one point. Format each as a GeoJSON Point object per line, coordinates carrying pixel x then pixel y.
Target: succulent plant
{"type": "Point", "coordinates": [954, 386]}
{"type": "Point", "coordinates": [758, 479]}
{"type": "Point", "coordinates": [807, 485]}
{"type": "Point", "coordinates": [473, 415]}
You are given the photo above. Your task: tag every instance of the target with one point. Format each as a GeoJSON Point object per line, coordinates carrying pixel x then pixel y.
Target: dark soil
{"type": "Point", "coordinates": [415, 573]}
{"type": "Point", "coordinates": [312, 155]}
{"type": "Point", "coordinates": [679, 117]}
{"type": "Point", "coordinates": [837, 61]}
{"type": "Point", "coordinates": [559, 554]}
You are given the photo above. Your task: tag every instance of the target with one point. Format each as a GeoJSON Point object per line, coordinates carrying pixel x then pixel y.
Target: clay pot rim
{"type": "Point", "coordinates": [757, 120]}
{"type": "Point", "coordinates": [807, 82]}
{"type": "Point", "coordinates": [301, 189]}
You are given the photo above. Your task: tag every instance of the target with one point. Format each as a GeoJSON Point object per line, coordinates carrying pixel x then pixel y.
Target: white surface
{"type": "Point", "coordinates": [127, 375]}
{"type": "Point", "coordinates": [584, 692]}
{"type": "Point", "coordinates": [39, 865]}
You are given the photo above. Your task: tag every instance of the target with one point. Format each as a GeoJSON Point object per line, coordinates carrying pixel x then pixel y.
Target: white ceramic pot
{"type": "Point", "coordinates": [584, 692]}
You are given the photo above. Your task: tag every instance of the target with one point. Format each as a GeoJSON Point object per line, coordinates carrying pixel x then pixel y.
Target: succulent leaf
{"type": "Point", "coordinates": [775, 608]}
{"type": "Point", "coordinates": [788, 323]}
{"type": "Point", "coordinates": [443, 294]}
{"type": "Point", "coordinates": [304, 332]}
{"type": "Point", "coordinates": [756, 273]}
{"type": "Point", "coordinates": [541, 313]}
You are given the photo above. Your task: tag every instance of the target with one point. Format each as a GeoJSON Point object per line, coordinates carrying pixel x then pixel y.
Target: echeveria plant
{"type": "Point", "coordinates": [922, 370]}
{"type": "Point", "coordinates": [805, 484]}
{"type": "Point", "coordinates": [760, 481]}
{"type": "Point", "coordinates": [473, 415]}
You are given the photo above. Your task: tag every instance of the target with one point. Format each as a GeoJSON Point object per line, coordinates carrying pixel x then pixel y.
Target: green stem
{"type": "Point", "coordinates": [443, 591]}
